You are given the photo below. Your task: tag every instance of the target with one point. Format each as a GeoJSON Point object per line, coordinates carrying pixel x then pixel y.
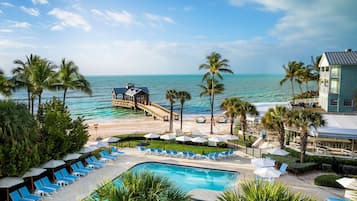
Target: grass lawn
{"type": "Point", "coordinates": [173, 146]}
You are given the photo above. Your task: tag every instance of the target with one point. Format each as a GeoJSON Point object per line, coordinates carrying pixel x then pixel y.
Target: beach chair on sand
{"type": "Point", "coordinates": [283, 168]}
{"type": "Point", "coordinates": [27, 195]}
{"type": "Point", "coordinates": [15, 196]}
{"type": "Point", "coordinates": [46, 183]}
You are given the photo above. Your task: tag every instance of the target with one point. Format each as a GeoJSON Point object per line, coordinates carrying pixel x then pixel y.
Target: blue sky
{"type": "Point", "coordinates": [107, 37]}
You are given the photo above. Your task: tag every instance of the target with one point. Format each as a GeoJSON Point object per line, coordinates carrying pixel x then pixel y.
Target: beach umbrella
{"type": "Point", "coordinates": [183, 138]}
{"type": "Point", "coordinates": [199, 140]}
{"type": "Point", "coordinates": [267, 172]}
{"type": "Point", "coordinates": [278, 151]}
{"type": "Point", "coordinates": [216, 139]}
{"type": "Point", "coordinates": [73, 156]}
{"type": "Point", "coordinates": [111, 139]}
{"type": "Point", "coordinates": [349, 183]}
{"type": "Point", "coordinates": [230, 137]}
{"type": "Point", "coordinates": [8, 182]}
{"type": "Point", "coordinates": [85, 150]}
{"type": "Point", "coordinates": [169, 136]}
{"type": "Point", "coordinates": [33, 172]}
{"type": "Point", "coordinates": [263, 162]}
{"type": "Point", "coordinates": [196, 133]}
{"type": "Point", "coordinates": [151, 135]}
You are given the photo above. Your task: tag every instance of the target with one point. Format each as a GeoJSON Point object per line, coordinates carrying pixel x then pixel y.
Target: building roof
{"type": "Point", "coordinates": [339, 126]}
{"type": "Point", "coordinates": [341, 58]}
{"type": "Point", "coordinates": [131, 91]}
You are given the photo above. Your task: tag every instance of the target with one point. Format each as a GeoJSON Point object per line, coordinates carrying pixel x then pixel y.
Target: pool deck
{"type": "Point", "coordinates": [240, 162]}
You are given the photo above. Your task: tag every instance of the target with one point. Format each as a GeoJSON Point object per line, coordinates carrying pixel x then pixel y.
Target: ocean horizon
{"type": "Point", "coordinates": [255, 88]}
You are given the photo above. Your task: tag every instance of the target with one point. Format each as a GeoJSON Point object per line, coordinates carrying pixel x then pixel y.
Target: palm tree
{"type": "Point", "coordinates": [291, 73]}
{"type": "Point", "coordinates": [230, 106]}
{"type": "Point", "coordinates": [182, 96]}
{"type": "Point", "coordinates": [274, 119]}
{"type": "Point", "coordinates": [138, 186]}
{"type": "Point", "coordinates": [305, 75]}
{"type": "Point", "coordinates": [42, 77]}
{"type": "Point", "coordinates": [303, 120]}
{"type": "Point", "coordinates": [68, 77]}
{"type": "Point", "coordinates": [243, 109]}
{"type": "Point", "coordinates": [171, 95]}
{"type": "Point", "coordinates": [215, 66]}
{"type": "Point", "coordinates": [5, 86]}
{"type": "Point", "coordinates": [207, 89]}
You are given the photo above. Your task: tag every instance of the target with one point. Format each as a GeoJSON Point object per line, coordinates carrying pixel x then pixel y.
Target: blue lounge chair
{"type": "Point", "coordinates": [42, 189]}
{"type": "Point", "coordinates": [46, 183]}
{"type": "Point", "coordinates": [15, 196]}
{"type": "Point", "coordinates": [184, 154]}
{"type": "Point", "coordinates": [283, 168]}
{"type": "Point", "coordinates": [61, 179]}
{"type": "Point", "coordinates": [106, 152]}
{"type": "Point", "coordinates": [105, 156]}
{"type": "Point", "coordinates": [93, 164]}
{"type": "Point", "coordinates": [141, 148]}
{"type": "Point", "coordinates": [191, 155]}
{"type": "Point", "coordinates": [94, 159]}
{"type": "Point", "coordinates": [81, 166]}
{"type": "Point", "coordinates": [27, 195]}
{"type": "Point", "coordinates": [66, 174]}
{"type": "Point", "coordinates": [174, 153]}
{"type": "Point", "coordinates": [115, 151]}
{"type": "Point", "coordinates": [78, 171]}
{"type": "Point", "coordinates": [336, 199]}
{"type": "Point", "coordinates": [160, 152]}
{"type": "Point", "coordinates": [167, 153]}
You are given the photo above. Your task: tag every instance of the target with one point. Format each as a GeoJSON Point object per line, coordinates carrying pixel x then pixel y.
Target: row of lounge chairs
{"type": "Point", "coordinates": [187, 154]}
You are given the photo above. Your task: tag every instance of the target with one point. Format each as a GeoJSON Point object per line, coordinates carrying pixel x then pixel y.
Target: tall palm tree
{"type": "Point", "coordinates": [182, 96]}
{"type": "Point", "coordinates": [68, 77]}
{"type": "Point", "coordinates": [243, 109]}
{"type": "Point", "coordinates": [42, 77]}
{"type": "Point", "coordinates": [291, 74]}
{"type": "Point", "coordinates": [171, 95]}
{"type": "Point", "coordinates": [206, 90]}
{"type": "Point", "coordinates": [230, 106]}
{"type": "Point", "coordinates": [315, 65]}
{"type": "Point", "coordinates": [215, 66]}
{"type": "Point", "coordinates": [274, 119]}
{"type": "Point", "coordinates": [5, 86]}
{"type": "Point", "coordinates": [302, 120]}
{"type": "Point", "coordinates": [305, 75]}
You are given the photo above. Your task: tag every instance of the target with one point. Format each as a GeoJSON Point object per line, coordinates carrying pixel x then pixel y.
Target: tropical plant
{"type": "Point", "coordinates": [138, 186]}
{"type": "Point", "coordinates": [182, 97]}
{"type": "Point", "coordinates": [274, 119]}
{"type": "Point", "coordinates": [315, 65]}
{"type": "Point", "coordinates": [230, 106]}
{"type": "Point", "coordinates": [171, 96]}
{"type": "Point", "coordinates": [291, 74]}
{"type": "Point", "coordinates": [215, 66]}
{"type": "Point", "coordinates": [5, 85]}
{"type": "Point", "coordinates": [206, 90]}
{"type": "Point", "coordinates": [243, 109]}
{"type": "Point", "coordinates": [302, 120]}
{"type": "Point", "coordinates": [68, 77]}
{"type": "Point", "coordinates": [305, 75]}
{"type": "Point", "coordinates": [258, 190]}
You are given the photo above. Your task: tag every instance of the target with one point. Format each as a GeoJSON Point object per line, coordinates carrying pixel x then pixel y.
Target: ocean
{"type": "Point", "coordinates": [257, 89]}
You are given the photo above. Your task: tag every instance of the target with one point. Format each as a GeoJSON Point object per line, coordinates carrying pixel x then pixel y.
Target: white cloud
{"type": "Point", "coordinates": [188, 8]}
{"type": "Point", "coordinates": [122, 17]}
{"type": "Point", "coordinates": [68, 19]}
{"type": "Point", "coordinates": [6, 43]}
{"type": "Point", "coordinates": [157, 20]}
{"type": "Point", "coordinates": [24, 25]}
{"type": "Point", "coordinates": [6, 30]}
{"type": "Point", "coordinates": [6, 4]}
{"type": "Point", "coordinates": [30, 11]}
{"type": "Point", "coordinates": [39, 1]}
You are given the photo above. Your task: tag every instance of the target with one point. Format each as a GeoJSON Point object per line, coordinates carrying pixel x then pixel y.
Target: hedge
{"type": "Point", "coordinates": [328, 180]}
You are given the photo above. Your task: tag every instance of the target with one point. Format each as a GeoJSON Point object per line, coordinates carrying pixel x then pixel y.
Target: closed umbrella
{"type": "Point", "coordinates": [33, 172]}
{"type": "Point", "coordinates": [73, 156]}
{"type": "Point", "coordinates": [230, 137]}
{"type": "Point", "coordinates": [277, 151]}
{"type": "Point", "coordinates": [183, 138]}
{"type": "Point", "coordinates": [199, 140]}
{"type": "Point", "coordinates": [151, 135]}
{"type": "Point", "coordinates": [8, 182]}
{"type": "Point", "coordinates": [216, 139]}
{"type": "Point", "coordinates": [263, 162]}
{"type": "Point", "coordinates": [111, 139]}
{"type": "Point", "coordinates": [267, 172]}
{"type": "Point", "coordinates": [169, 136]}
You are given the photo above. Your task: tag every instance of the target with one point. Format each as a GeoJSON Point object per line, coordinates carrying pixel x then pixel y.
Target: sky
{"type": "Point", "coordinates": [140, 37]}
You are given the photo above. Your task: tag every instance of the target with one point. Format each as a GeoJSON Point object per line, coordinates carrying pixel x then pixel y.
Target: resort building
{"type": "Point", "coordinates": [338, 81]}
{"type": "Point", "coordinates": [132, 93]}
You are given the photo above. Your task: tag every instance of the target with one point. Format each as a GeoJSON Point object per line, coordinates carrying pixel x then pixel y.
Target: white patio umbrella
{"type": "Point", "coordinates": [216, 139]}
{"type": "Point", "coordinates": [151, 135]}
{"type": "Point", "coordinates": [169, 136]}
{"type": "Point", "coordinates": [85, 150]}
{"type": "Point", "coordinates": [199, 140]}
{"type": "Point", "coordinates": [8, 182]}
{"type": "Point", "coordinates": [73, 156]}
{"type": "Point", "coordinates": [33, 172]}
{"type": "Point", "coordinates": [267, 172]}
{"type": "Point", "coordinates": [102, 144]}
{"type": "Point", "coordinates": [349, 183]}
{"type": "Point", "coordinates": [111, 139]}
{"type": "Point", "coordinates": [263, 162]}
{"type": "Point", "coordinates": [53, 164]}
{"type": "Point", "coordinates": [277, 151]}
{"type": "Point", "coordinates": [230, 137]}
{"type": "Point", "coordinates": [183, 138]}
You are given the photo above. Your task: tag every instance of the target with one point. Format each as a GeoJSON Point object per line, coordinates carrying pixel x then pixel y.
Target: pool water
{"type": "Point", "coordinates": [189, 178]}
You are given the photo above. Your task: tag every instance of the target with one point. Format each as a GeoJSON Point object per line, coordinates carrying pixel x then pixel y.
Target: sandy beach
{"type": "Point", "coordinates": [148, 125]}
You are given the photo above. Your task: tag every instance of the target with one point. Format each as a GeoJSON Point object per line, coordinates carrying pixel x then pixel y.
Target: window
{"type": "Point", "coordinates": [326, 69]}
{"type": "Point", "coordinates": [334, 86]}
{"type": "Point", "coordinates": [347, 102]}
{"type": "Point", "coordinates": [335, 72]}
{"type": "Point", "coordinates": [322, 69]}
{"type": "Point", "coordinates": [333, 102]}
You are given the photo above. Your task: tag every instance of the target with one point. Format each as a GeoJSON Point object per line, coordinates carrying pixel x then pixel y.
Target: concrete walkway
{"type": "Point", "coordinates": [241, 163]}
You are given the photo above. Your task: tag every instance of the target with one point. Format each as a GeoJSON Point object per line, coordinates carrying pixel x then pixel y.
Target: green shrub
{"type": "Point", "coordinates": [328, 180]}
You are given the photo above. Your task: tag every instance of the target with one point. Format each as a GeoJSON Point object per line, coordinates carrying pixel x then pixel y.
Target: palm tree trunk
{"type": "Point", "coordinates": [212, 103]}
{"type": "Point", "coordinates": [32, 103]}
{"type": "Point", "coordinates": [303, 143]}
{"type": "Point", "coordinates": [64, 96]}
{"type": "Point", "coordinates": [171, 114]}
{"type": "Point", "coordinates": [282, 138]}
{"type": "Point", "coordinates": [181, 112]}
{"type": "Point", "coordinates": [232, 122]}
{"type": "Point", "coordinates": [28, 99]}
{"type": "Point", "coordinates": [39, 102]}
{"type": "Point", "coordinates": [292, 88]}
{"type": "Point", "coordinates": [242, 125]}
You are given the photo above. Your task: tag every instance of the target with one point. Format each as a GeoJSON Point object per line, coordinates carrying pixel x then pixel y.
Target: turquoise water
{"type": "Point", "coordinates": [189, 178]}
{"type": "Point", "coordinates": [253, 88]}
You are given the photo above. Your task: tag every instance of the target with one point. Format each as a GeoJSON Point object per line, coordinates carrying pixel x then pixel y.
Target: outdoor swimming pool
{"type": "Point", "coordinates": [189, 178]}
